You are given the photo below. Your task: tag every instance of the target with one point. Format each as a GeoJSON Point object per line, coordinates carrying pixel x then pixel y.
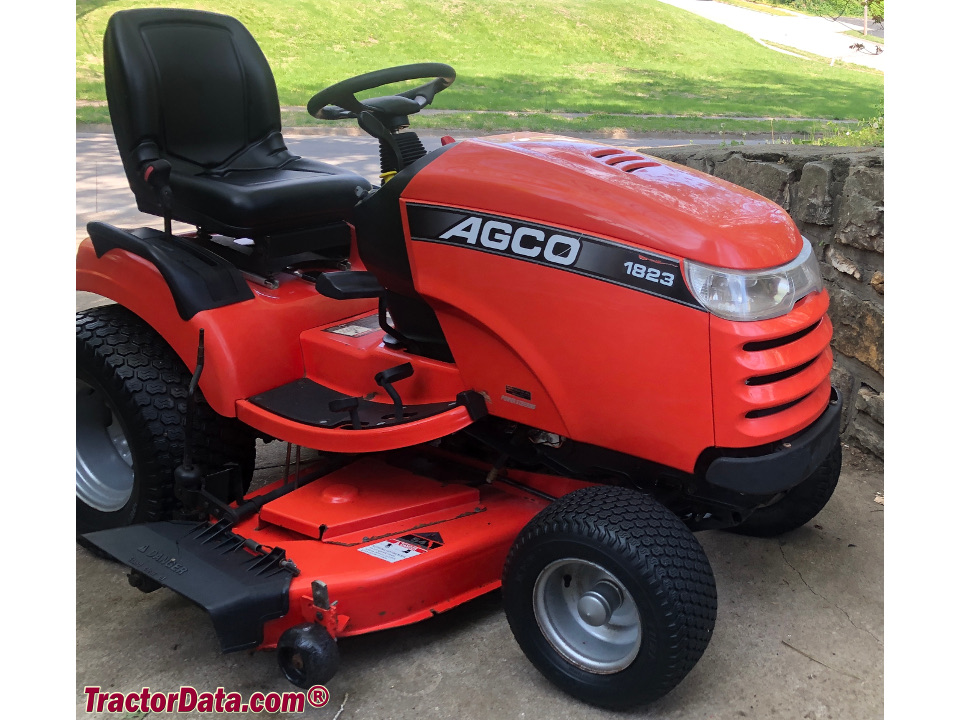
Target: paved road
{"type": "Point", "coordinates": [873, 28]}
{"type": "Point", "coordinates": [817, 35]}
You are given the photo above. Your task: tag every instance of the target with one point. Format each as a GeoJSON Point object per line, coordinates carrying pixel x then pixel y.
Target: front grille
{"type": "Point", "coordinates": [771, 378]}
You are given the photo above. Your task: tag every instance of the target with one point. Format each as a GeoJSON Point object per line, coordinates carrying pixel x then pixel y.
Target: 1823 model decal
{"type": "Point", "coordinates": [604, 260]}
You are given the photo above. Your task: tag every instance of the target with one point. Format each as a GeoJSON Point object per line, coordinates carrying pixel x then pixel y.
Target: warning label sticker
{"type": "Point", "coordinates": [357, 328]}
{"type": "Point", "coordinates": [393, 550]}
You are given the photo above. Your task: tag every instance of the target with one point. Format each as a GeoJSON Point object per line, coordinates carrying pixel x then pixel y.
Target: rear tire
{"type": "Point", "coordinates": [799, 505]}
{"type": "Point", "coordinates": [131, 408]}
{"type": "Point", "coordinates": [610, 596]}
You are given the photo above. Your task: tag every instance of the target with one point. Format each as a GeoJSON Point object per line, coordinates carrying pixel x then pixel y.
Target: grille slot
{"type": "Point", "coordinates": [605, 152]}
{"type": "Point", "coordinates": [782, 375]}
{"type": "Point", "coordinates": [765, 412]}
{"type": "Point", "coordinates": [631, 165]}
{"type": "Point", "coordinates": [780, 341]}
{"type": "Point", "coordinates": [622, 160]}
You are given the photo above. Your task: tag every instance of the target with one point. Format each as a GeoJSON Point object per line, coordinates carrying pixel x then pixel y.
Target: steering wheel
{"type": "Point", "coordinates": [340, 101]}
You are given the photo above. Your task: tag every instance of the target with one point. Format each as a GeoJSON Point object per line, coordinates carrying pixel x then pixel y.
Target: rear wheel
{"type": "Point", "coordinates": [131, 409]}
{"type": "Point", "coordinates": [610, 596]}
{"type": "Point", "coordinates": [799, 505]}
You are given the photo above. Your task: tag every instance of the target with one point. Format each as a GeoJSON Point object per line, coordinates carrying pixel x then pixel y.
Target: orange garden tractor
{"type": "Point", "coordinates": [528, 362]}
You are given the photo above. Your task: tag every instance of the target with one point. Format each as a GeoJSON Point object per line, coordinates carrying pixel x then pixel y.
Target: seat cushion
{"type": "Point", "coordinates": [194, 88]}
{"type": "Point", "coordinates": [302, 193]}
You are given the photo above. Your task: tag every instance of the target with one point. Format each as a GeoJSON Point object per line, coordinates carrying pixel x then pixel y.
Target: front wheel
{"type": "Point", "coordinates": [131, 418]}
{"type": "Point", "coordinates": [610, 596]}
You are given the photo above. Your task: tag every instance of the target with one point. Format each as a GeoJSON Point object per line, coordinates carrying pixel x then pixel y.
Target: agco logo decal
{"type": "Point", "coordinates": [527, 242]}
{"type": "Point", "coordinates": [565, 250]}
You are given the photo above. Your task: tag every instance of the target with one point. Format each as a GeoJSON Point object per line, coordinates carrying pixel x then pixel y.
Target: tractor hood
{"type": "Point", "coordinates": [611, 193]}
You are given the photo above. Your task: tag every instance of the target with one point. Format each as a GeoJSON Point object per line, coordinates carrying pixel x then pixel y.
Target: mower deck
{"type": "Point", "coordinates": [381, 542]}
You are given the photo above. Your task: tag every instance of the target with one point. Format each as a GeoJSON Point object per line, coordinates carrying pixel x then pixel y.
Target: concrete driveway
{"type": "Point", "coordinates": [817, 35]}
{"type": "Point", "coordinates": [799, 631]}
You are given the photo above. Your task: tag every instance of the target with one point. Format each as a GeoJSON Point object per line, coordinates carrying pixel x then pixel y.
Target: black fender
{"type": "Point", "coordinates": [198, 278]}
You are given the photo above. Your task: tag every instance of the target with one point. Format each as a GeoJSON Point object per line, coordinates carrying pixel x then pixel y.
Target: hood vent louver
{"type": "Point", "coordinates": [622, 160]}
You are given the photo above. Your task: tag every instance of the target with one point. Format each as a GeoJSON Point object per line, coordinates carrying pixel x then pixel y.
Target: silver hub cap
{"type": "Point", "coordinates": [104, 460]}
{"type": "Point", "coordinates": [587, 615]}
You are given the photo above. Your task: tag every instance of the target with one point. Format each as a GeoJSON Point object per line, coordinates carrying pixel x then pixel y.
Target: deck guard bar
{"type": "Point", "coordinates": [210, 566]}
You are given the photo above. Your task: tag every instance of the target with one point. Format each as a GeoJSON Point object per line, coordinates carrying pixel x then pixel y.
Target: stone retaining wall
{"type": "Point", "coordinates": [835, 195]}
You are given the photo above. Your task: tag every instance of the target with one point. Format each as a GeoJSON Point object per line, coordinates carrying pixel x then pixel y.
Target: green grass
{"type": "Point", "coordinates": [865, 38]}
{"type": "Point", "coordinates": [597, 56]}
{"type": "Point", "coordinates": [597, 123]}
{"type": "Point", "coordinates": [866, 133]}
{"type": "Point", "coordinates": [759, 7]}
{"type": "Point", "coordinates": [93, 115]}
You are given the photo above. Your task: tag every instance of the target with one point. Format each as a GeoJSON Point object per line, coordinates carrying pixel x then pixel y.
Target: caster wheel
{"type": "Point", "coordinates": [308, 655]}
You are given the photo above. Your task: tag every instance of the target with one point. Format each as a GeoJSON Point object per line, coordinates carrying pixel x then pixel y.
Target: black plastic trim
{"type": "Point", "coordinates": [382, 245]}
{"type": "Point", "coordinates": [211, 566]}
{"type": "Point", "coordinates": [787, 465]}
{"type": "Point", "coordinates": [349, 285]}
{"type": "Point", "coordinates": [474, 403]}
{"type": "Point", "coordinates": [381, 241]}
{"type": "Point", "coordinates": [308, 402]}
{"type": "Point", "coordinates": [198, 278]}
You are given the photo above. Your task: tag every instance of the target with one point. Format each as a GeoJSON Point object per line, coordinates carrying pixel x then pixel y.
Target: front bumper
{"type": "Point", "coordinates": [787, 464]}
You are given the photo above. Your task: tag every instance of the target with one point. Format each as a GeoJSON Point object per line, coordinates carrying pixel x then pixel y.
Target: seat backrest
{"type": "Point", "coordinates": [185, 85]}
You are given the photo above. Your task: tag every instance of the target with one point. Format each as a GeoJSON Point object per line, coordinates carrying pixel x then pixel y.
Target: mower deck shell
{"type": "Point", "coordinates": [465, 531]}
{"type": "Point", "coordinates": [392, 546]}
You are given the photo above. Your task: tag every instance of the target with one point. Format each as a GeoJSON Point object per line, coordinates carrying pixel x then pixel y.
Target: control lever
{"type": "Point", "coordinates": [350, 405]}
{"type": "Point", "coordinates": [386, 379]}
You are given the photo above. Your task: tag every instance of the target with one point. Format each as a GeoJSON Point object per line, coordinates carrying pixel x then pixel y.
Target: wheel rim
{"type": "Point", "coordinates": [292, 665]}
{"type": "Point", "coordinates": [104, 459]}
{"type": "Point", "coordinates": [587, 615]}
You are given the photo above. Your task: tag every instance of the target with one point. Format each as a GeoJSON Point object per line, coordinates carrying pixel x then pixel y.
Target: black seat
{"type": "Point", "coordinates": [193, 88]}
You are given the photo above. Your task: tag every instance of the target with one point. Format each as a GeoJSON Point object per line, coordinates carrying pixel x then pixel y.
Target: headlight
{"type": "Point", "coordinates": [755, 294]}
